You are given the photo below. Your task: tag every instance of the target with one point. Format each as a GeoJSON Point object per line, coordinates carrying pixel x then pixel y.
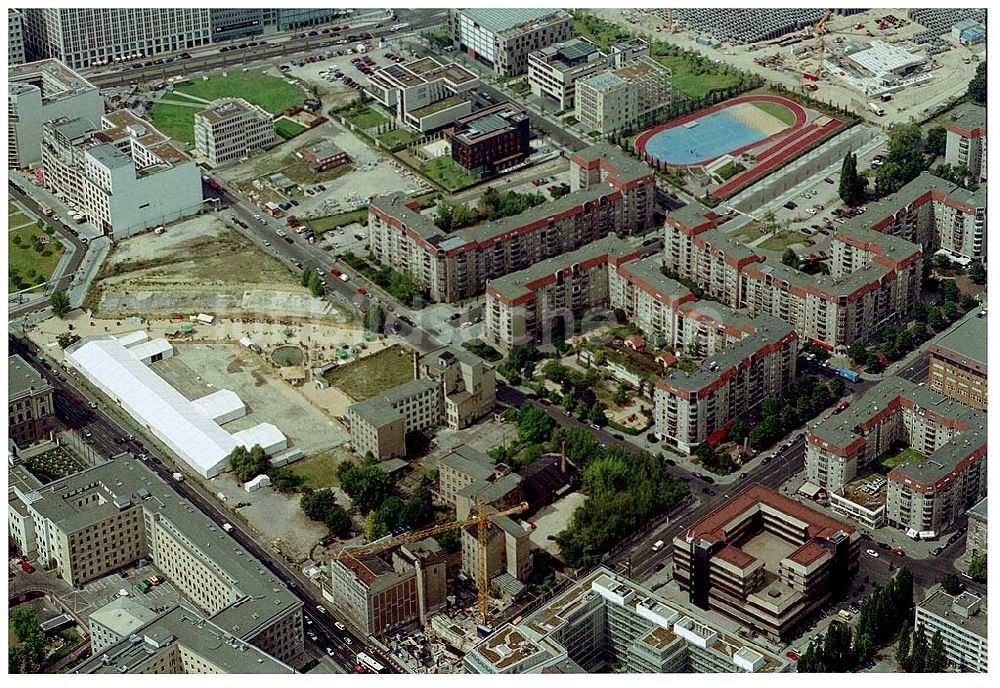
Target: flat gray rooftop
{"type": "Point", "coordinates": [23, 379]}
{"type": "Point", "coordinates": [966, 338]}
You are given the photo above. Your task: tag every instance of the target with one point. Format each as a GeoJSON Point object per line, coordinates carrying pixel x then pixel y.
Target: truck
{"type": "Point", "coordinates": [810, 77]}
{"type": "Point", "coordinates": [46, 209]}
{"type": "Point", "coordinates": [847, 374]}
{"type": "Point", "coordinates": [205, 318]}
{"type": "Point", "coordinates": [877, 109]}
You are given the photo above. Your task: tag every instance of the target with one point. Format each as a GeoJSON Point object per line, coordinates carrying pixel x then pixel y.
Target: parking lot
{"type": "Point", "coordinates": [97, 593]}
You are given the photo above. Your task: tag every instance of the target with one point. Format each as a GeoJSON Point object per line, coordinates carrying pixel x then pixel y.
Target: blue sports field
{"type": "Point", "coordinates": [702, 139]}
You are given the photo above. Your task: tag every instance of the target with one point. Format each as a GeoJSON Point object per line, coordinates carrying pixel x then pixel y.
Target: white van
{"type": "Point", "coordinates": [658, 545]}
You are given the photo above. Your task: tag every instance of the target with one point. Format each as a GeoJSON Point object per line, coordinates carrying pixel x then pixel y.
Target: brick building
{"type": "Point", "coordinates": [491, 140]}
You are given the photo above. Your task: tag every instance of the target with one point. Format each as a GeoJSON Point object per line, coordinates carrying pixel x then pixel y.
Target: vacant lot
{"type": "Point", "coordinates": [369, 376]}
{"type": "Point", "coordinates": [447, 173]}
{"type": "Point", "coordinates": [782, 240]}
{"type": "Point", "coordinates": [320, 470]}
{"type": "Point", "coordinates": [363, 117]}
{"type": "Point", "coordinates": [287, 129]}
{"type": "Point", "coordinates": [329, 222]}
{"type": "Point", "coordinates": [30, 262]}
{"type": "Point", "coordinates": [397, 138]}
{"type": "Point", "coordinates": [271, 93]}
{"type": "Point", "coordinates": [176, 121]}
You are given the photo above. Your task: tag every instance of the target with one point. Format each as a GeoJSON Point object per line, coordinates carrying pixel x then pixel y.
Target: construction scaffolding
{"type": "Point", "coordinates": [745, 25]}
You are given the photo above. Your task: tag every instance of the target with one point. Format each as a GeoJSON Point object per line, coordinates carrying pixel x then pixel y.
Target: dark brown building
{"type": "Point", "coordinates": [491, 140]}
{"type": "Point", "coordinates": [29, 402]}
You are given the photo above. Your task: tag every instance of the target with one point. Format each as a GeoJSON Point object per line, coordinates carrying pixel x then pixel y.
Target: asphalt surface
{"type": "Point", "coordinates": [106, 437]}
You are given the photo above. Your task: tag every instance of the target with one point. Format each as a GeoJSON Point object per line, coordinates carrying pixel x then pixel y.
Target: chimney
{"type": "Point", "coordinates": [416, 365]}
{"type": "Point", "coordinates": [562, 464]}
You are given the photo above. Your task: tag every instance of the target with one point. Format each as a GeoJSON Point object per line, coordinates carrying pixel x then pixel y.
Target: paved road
{"type": "Point", "coordinates": [108, 438]}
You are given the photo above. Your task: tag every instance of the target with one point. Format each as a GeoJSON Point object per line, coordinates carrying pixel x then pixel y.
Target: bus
{"type": "Point", "coordinates": [369, 663]}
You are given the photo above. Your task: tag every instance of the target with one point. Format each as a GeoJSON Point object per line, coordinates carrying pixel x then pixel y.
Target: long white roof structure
{"type": "Point", "coordinates": [178, 422]}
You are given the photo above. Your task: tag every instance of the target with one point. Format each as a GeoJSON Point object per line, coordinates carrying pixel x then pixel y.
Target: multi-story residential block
{"type": "Point", "coordinates": [384, 591]}
{"type": "Point", "coordinates": [957, 364]}
{"type": "Point", "coordinates": [605, 619]}
{"type": "Point", "coordinates": [650, 300]}
{"type": "Point", "coordinates": [462, 467]}
{"type": "Point", "coordinates": [30, 409]}
{"type": "Point", "coordinates": [554, 70]}
{"type": "Point", "coordinates": [503, 38]}
{"type": "Point", "coordinates": [976, 539]}
{"type": "Point", "coordinates": [611, 192]}
{"type": "Point", "coordinates": [467, 383]}
{"type": "Point", "coordinates": [508, 553]}
{"type": "Point", "coordinates": [491, 140]}
{"type": "Point", "coordinates": [101, 519]}
{"type": "Point", "coordinates": [125, 177]}
{"type": "Point", "coordinates": [92, 37]}
{"type": "Point", "coordinates": [944, 473]}
{"type": "Point", "coordinates": [38, 92]}
{"type": "Point", "coordinates": [324, 156]}
{"type": "Point", "coordinates": [623, 98]}
{"type": "Point", "coordinates": [125, 640]}
{"type": "Point", "coordinates": [961, 621]}
{"type": "Point", "coordinates": [692, 407]}
{"type": "Point", "coordinates": [230, 129]}
{"type": "Point", "coordinates": [15, 37]}
{"type": "Point", "coordinates": [424, 94]}
{"type": "Point", "coordinates": [965, 143]}
{"type": "Point", "coordinates": [731, 560]}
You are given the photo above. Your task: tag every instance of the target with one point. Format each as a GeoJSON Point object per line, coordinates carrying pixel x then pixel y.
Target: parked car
{"type": "Point", "coordinates": [321, 609]}
{"type": "Point", "coordinates": [937, 551]}
{"type": "Point", "coordinates": [871, 553]}
{"type": "Point", "coordinates": [898, 552]}
{"type": "Point", "coordinates": [27, 567]}
{"type": "Point", "coordinates": [340, 626]}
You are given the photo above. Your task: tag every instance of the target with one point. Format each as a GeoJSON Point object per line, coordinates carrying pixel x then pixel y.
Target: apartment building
{"type": "Point", "coordinates": [425, 94]}
{"type": "Point", "coordinates": [957, 363]}
{"type": "Point", "coordinates": [765, 560]}
{"type": "Point", "coordinates": [504, 38]}
{"type": "Point", "coordinates": [384, 591]}
{"type": "Point", "coordinates": [965, 143]}
{"type": "Point", "coordinates": [976, 539]}
{"type": "Point", "coordinates": [379, 424]}
{"type": "Point", "coordinates": [127, 638]}
{"type": "Point", "coordinates": [650, 300]}
{"type": "Point", "coordinates": [125, 177]}
{"type": "Point", "coordinates": [492, 140]}
{"type": "Point", "coordinates": [611, 192]}
{"type": "Point", "coordinates": [961, 620]}
{"type": "Point", "coordinates": [460, 468]}
{"type": "Point", "coordinates": [95, 522]}
{"type": "Point", "coordinates": [943, 475]}
{"type": "Point", "coordinates": [467, 384]}
{"type": "Point", "coordinates": [624, 98]}
{"type": "Point", "coordinates": [692, 408]}
{"type": "Point", "coordinates": [30, 409]}
{"type": "Point", "coordinates": [230, 129]}
{"type": "Point", "coordinates": [605, 620]}
{"type": "Point", "coordinates": [93, 37]}
{"type": "Point", "coordinates": [38, 92]}
{"type": "Point", "coordinates": [508, 554]}
{"type": "Point", "coordinates": [15, 37]}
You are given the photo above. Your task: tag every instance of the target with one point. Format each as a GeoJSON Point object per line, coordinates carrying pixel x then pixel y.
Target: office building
{"type": "Point", "coordinates": [30, 409]}
{"type": "Point", "coordinates": [692, 408]}
{"type": "Point", "coordinates": [15, 37]}
{"type": "Point", "coordinates": [95, 522]}
{"type": "Point", "coordinates": [231, 24]}
{"type": "Point", "coordinates": [957, 363]}
{"type": "Point", "coordinates": [961, 620]}
{"type": "Point", "coordinates": [492, 140]}
{"type": "Point", "coordinates": [179, 641]}
{"type": "Point", "coordinates": [425, 94]}
{"type": "Point", "coordinates": [624, 98]}
{"type": "Point", "coordinates": [384, 591]}
{"type": "Point", "coordinates": [554, 70]}
{"type": "Point", "coordinates": [299, 18]}
{"type": "Point", "coordinates": [931, 484]}
{"type": "Point", "coordinates": [230, 129]}
{"type": "Point", "coordinates": [92, 37]}
{"type": "Point", "coordinates": [450, 387]}
{"type": "Point", "coordinates": [976, 540]}
{"type": "Point", "coordinates": [125, 177]}
{"type": "Point", "coordinates": [766, 560]}
{"type": "Point", "coordinates": [503, 38]}
{"type": "Point", "coordinates": [38, 92]}
{"type": "Point", "coordinates": [965, 144]}
{"type": "Point", "coordinates": [605, 620]}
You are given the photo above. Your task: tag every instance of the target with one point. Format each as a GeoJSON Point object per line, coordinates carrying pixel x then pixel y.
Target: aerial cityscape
{"type": "Point", "coordinates": [497, 341]}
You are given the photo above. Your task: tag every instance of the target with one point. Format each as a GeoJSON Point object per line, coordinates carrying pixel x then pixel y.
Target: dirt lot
{"type": "Point", "coordinates": [552, 520]}
{"type": "Point", "coordinates": [200, 265]}
{"type": "Point", "coordinates": [377, 373]}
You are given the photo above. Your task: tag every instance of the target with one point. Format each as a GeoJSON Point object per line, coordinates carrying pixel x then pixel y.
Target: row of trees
{"type": "Point", "coordinates": [321, 505]}
{"type": "Point", "coordinates": [915, 655]}
{"type": "Point", "coordinates": [492, 205]}
{"type": "Point", "coordinates": [313, 282]}
{"type": "Point", "coordinates": [882, 612]}
{"type": "Point", "coordinates": [520, 363]}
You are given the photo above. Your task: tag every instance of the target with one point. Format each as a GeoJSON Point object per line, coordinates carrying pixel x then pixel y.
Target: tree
{"type": "Point", "coordinates": [315, 284]}
{"type": "Point", "coordinates": [419, 508]}
{"type": "Point", "coordinates": [977, 568]}
{"type": "Point", "coordinates": [316, 504]}
{"type": "Point", "coordinates": [597, 415]}
{"type": "Point", "coordinates": [836, 386]}
{"type": "Point", "coordinates": [950, 290]}
{"type": "Point", "coordinates": [937, 138]}
{"type": "Point", "coordinates": [977, 273]}
{"type": "Point", "coordinates": [951, 584]}
{"type": "Point", "coordinates": [450, 540]}
{"type": "Point", "coordinates": [367, 485]}
{"type": "Point", "coordinates": [60, 303]}
{"type": "Point", "coordinates": [919, 312]}
{"type": "Point", "coordinates": [918, 651]}
{"type": "Point", "coordinates": [621, 395]}
{"type": "Point", "coordinates": [286, 480]}
{"type": "Point", "coordinates": [338, 521]}
{"type": "Point", "coordinates": [934, 316]}
{"type": "Point", "coordinates": [790, 258]}
{"type": "Point", "coordinates": [937, 660]}
{"type": "Point", "coordinates": [903, 646]}
{"type": "Point", "coordinates": [67, 339]}
{"type": "Point", "coordinates": [889, 178]}
{"type": "Point", "coordinates": [977, 86]}
{"type": "Point", "coordinates": [968, 302]}
{"type": "Point", "coordinates": [771, 406]}
{"type": "Point", "coordinates": [852, 185]}
{"type": "Point", "coordinates": [534, 425]}
{"type": "Point", "coordinates": [857, 352]}
{"type": "Point", "coordinates": [387, 515]}
{"type": "Point", "coordinates": [949, 311]}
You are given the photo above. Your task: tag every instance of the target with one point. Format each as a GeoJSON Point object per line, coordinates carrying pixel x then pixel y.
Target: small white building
{"type": "Point", "coordinates": [260, 481]}
{"type": "Point", "coordinates": [222, 406]}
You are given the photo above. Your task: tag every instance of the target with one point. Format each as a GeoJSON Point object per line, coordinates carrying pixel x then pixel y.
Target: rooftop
{"type": "Point", "coordinates": [973, 118]}
{"type": "Point", "coordinates": [379, 410]}
{"type": "Point", "coordinates": [23, 380]}
{"type": "Point", "coordinates": [504, 20]}
{"type": "Point", "coordinates": [978, 510]}
{"type": "Point", "coordinates": [645, 272]}
{"type": "Point", "coordinates": [437, 106]}
{"type": "Point", "coordinates": [883, 58]}
{"type": "Point", "coordinates": [226, 109]}
{"type": "Point", "coordinates": [51, 77]}
{"type": "Point", "coordinates": [960, 610]}
{"type": "Point", "coordinates": [965, 338]}
{"type": "Point", "coordinates": [603, 82]}
{"type": "Point", "coordinates": [470, 462]}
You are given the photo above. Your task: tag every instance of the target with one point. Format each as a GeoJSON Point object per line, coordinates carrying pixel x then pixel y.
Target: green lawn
{"type": "Point", "coordinates": [447, 173]}
{"type": "Point", "coordinates": [689, 83]}
{"type": "Point", "coordinates": [287, 129]}
{"type": "Point", "coordinates": [176, 121]}
{"type": "Point", "coordinates": [269, 92]}
{"type": "Point", "coordinates": [397, 138]}
{"type": "Point", "coordinates": [298, 171]}
{"type": "Point", "coordinates": [782, 240]}
{"type": "Point", "coordinates": [17, 219]}
{"type": "Point", "coordinates": [27, 267]}
{"type": "Point", "coordinates": [325, 224]}
{"type": "Point", "coordinates": [730, 168]}
{"type": "Point", "coordinates": [908, 454]}
{"type": "Point", "coordinates": [363, 117]}
{"type": "Point", "coordinates": [779, 112]}
{"type": "Point", "coordinates": [320, 470]}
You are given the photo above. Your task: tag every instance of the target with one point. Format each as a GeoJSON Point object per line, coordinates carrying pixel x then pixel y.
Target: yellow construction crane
{"type": "Point", "coordinates": [820, 27]}
{"type": "Point", "coordinates": [482, 519]}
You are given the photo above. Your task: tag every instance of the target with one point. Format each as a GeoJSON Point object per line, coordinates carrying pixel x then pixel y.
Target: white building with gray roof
{"type": "Point", "coordinates": [502, 38]}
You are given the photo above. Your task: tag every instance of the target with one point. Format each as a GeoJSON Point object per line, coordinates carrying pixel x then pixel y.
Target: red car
{"type": "Point", "coordinates": [898, 552]}
{"type": "Point", "coordinates": [28, 568]}
{"type": "Point", "coordinates": [335, 272]}
{"type": "Point", "coordinates": [361, 290]}
{"type": "Point", "coordinates": [792, 655]}
{"type": "Point", "coordinates": [77, 400]}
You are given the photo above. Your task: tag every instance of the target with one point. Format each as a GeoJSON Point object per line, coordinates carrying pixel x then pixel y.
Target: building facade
{"type": "Point", "coordinates": [965, 143]}
{"type": "Point", "coordinates": [230, 129]}
{"type": "Point", "coordinates": [324, 156]}
{"type": "Point", "coordinates": [957, 361]}
{"type": "Point", "coordinates": [554, 70]}
{"type": "Point", "coordinates": [773, 595]}
{"type": "Point", "coordinates": [624, 98]}
{"type": "Point", "coordinates": [508, 551]}
{"type": "Point", "coordinates": [976, 540]}
{"type": "Point", "coordinates": [961, 621]}
{"type": "Point", "coordinates": [610, 192]}
{"type": "Point", "coordinates": [503, 38]}
{"type": "Point", "coordinates": [93, 37]}
{"type": "Point", "coordinates": [15, 37]}
{"type": "Point", "coordinates": [492, 140]}
{"type": "Point", "coordinates": [125, 177]}
{"type": "Point", "coordinates": [30, 408]}
{"type": "Point", "coordinates": [425, 94]}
